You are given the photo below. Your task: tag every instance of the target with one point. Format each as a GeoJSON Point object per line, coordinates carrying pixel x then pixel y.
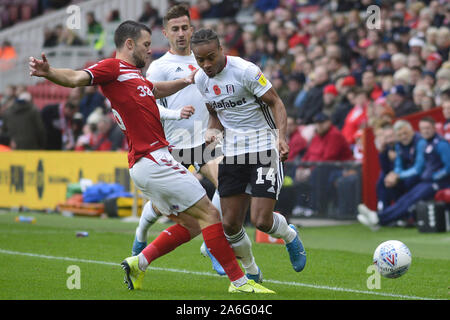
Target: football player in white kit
{"type": "Point", "coordinates": [242, 103]}
{"type": "Point", "coordinates": [186, 136]}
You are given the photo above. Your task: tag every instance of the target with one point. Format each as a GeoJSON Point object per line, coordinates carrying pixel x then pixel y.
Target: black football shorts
{"type": "Point", "coordinates": [197, 156]}
{"type": "Point", "coordinates": [258, 174]}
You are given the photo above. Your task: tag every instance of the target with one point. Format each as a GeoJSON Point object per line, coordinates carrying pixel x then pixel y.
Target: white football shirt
{"type": "Point", "coordinates": [235, 93]}
{"type": "Point", "coordinates": [185, 133]}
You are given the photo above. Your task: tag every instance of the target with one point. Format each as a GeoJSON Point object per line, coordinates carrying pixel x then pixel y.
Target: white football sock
{"type": "Point", "coordinates": [242, 247]}
{"type": "Point", "coordinates": [216, 202]}
{"type": "Point", "coordinates": [240, 282]}
{"type": "Point", "coordinates": [280, 229]}
{"type": "Point", "coordinates": [143, 263]}
{"type": "Point", "coordinates": [148, 218]}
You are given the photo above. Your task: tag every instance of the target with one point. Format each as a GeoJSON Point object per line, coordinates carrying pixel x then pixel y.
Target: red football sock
{"type": "Point", "coordinates": [220, 248]}
{"type": "Point", "coordinates": [167, 241]}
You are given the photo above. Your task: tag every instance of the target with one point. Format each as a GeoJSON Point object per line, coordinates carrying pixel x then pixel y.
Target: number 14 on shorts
{"type": "Point", "coordinates": [269, 176]}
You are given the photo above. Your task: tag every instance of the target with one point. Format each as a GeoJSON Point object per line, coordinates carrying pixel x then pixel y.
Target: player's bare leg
{"type": "Point", "coordinates": [188, 222]}
{"type": "Point", "coordinates": [275, 224]}
{"type": "Point", "coordinates": [149, 216]}
{"type": "Point", "coordinates": [210, 171]}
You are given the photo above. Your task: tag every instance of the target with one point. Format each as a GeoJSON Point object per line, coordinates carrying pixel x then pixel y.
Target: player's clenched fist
{"type": "Point", "coordinates": [213, 135]}
{"type": "Point", "coordinates": [283, 149]}
{"type": "Point", "coordinates": [186, 112]}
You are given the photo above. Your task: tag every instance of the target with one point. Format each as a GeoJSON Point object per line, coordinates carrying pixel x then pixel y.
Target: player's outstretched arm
{"type": "Point", "coordinates": [167, 114]}
{"type": "Point", "coordinates": [64, 77]}
{"type": "Point", "coordinates": [164, 89]}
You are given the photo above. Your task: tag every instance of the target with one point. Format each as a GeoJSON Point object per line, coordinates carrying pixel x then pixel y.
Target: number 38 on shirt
{"type": "Point", "coordinates": [145, 91]}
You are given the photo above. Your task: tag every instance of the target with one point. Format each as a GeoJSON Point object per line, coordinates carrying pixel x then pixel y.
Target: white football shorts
{"type": "Point", "coordinates": [170, 186]}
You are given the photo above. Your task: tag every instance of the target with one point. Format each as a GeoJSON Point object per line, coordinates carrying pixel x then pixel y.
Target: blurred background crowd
{"type": "Point", "coordinates": [333, 67]}
{"type": "Point", "coordinates": [321, 56]}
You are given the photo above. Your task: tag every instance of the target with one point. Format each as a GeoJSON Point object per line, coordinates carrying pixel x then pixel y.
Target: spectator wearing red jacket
{"type": "Point", "coordinates": [297, 144]}
{"type": "Point", "coordinates": [101, 134]}
{"type": "Point", "coordinates": [369, 84]}
{"type": "Point", "coordinates": [328, 144]}
{"type": "Point", "coordinates": [357, 117]}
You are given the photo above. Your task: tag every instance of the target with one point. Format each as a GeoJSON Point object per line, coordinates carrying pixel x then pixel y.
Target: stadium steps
{"type": "Point", "coordinates": [27, 37]}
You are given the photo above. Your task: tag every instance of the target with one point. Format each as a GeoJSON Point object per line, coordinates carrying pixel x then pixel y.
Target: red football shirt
{"type": "Point", "coordinates": [133, 105]}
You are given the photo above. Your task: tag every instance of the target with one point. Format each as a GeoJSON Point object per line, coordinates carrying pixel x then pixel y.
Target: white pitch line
{"type": "Point", "coordinates": [198, 273]}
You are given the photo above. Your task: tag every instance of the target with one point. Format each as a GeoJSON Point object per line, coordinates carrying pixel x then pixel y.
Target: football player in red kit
{"type": "Point", "coordinates": [172, 189]}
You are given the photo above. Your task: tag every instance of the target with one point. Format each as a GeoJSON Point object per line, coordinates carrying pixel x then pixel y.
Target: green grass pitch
{"type": "Point", "coordinates": [37, 261]}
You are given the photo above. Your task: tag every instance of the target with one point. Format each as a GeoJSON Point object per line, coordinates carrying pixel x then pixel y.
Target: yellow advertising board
{"type": "Point", "coordinates": [39, 179]}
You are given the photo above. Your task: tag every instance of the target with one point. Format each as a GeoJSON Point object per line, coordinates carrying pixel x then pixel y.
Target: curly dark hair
{"type": "Point", "coordinates": [203, 36]}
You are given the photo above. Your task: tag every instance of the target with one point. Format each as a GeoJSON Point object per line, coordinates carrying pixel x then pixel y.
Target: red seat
{"type": "Point", "coordinates": [46, 92]}
{"type": "Point", "coordinates": [443, 195]}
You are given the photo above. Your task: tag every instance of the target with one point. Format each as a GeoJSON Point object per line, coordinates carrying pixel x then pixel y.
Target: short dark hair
{"type": "Point", "coordinates": [204, 36]}
{"type": "Point", "coordinates": [416, 68]}
{"type": "Point", "coordinates": [129, 29]}
{"type": "Point", "coordinates": [360, 90]}
{"type": "Point", "coordinates": [369, 70]}
{"type": "Point", "coordinates": [177, 11]}
{"type": "Point", "coordinates": [428, 119]}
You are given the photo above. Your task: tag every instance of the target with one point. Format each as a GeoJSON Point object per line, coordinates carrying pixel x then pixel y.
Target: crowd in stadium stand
{"type": "Point", "coordinates": [334, 72]}
{"type": "Point", "coordinates": [12, 12]}
{"type": "Point", "coordinates": [321, 56]}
